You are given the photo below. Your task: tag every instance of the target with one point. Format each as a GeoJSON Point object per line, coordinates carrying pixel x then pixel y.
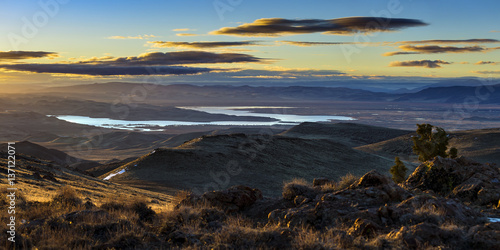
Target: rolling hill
{"type": "Point", "coordinates": [482, 145]}
{"type": "Point", "coordinates": [351, 134]}
{"type": "Point", "coordinates": [262, 161]}
{"type": "Point", "coordinates": [52, 155]}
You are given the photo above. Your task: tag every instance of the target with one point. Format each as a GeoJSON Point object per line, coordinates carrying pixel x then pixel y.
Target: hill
{"type": "Point", "coordinates": [455, 94]}
{"type": "Point", "coordinates": [351, 134]}
{"type": "Point", "coordinates": [40, 180]}
{"type": "Point", "coordinates": [482, 145]}
{"type": "Point", "coordinates": [219, 161]}
{"type": "Point", "coordinates": [52, 155]}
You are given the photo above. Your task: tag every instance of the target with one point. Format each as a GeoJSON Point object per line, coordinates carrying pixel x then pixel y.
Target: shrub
{"type": "Point", "coordinates": [67, 197]}
{"type": "Point", "coordinates": [398, 171]}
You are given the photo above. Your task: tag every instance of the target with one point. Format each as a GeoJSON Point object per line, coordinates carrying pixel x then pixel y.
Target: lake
{"type": "Point", "coordinates": [282, 119]}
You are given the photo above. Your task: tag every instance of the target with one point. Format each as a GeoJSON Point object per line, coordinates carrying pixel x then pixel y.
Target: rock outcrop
{"type": "Point", "coordinates": [460, 178]}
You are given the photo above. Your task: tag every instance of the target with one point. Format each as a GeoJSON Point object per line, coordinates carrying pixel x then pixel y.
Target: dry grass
{"type": "Point", "coordinates": [344, 182]}
{"type": "Point", "coordinates": [297, 187]}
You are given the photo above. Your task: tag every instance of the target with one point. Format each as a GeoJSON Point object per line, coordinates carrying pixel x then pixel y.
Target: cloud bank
{"type": "Point", "coordinates": [339, 26]}
{"type": "Point", "coordinates": [419, 63]}
{"type": "Point", "coordinates": [155, 63]}
{"type": "Point", "coordinates": [87, 69]}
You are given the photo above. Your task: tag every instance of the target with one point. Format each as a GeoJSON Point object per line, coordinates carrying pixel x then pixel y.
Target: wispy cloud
{"type": "Point", "coordinates": [19, 55]}
{"type": "Point", "coordinates": [485, 72]}
{"type": "Point", "coordinates": [140, 37]}
{"type": "Point", "coordinates": [308, 44]}
{"type": "Point", "coordinates": [441, 41]}
{"type": "Point", "coordinates": [486, 62]}
{"type": "Point", "coordinates": [182, 29]}
{"type": "Point", "coordinates": [339, 26]}
{"type": "Point", "coordinates": [200, 45]}
{"type": "Point", "coordinates": [186, 34]}
{"type": "Point", "coordinates": [435, 49]}
{"type": "Point", "coordinates": [495, 31]}
{"type": "Point", "coordinates": [419, 63]}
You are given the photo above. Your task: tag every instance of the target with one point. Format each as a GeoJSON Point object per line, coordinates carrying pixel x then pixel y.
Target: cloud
{"type": "Point", "coordinates": [435, 49]}
{"type": "Point", "coordinates": [495, 31]}
{"type": "Point", "coordinates": [182, 29]}
{"type": "Point", "coordinates": [100, 70]}
{"type": "Point", "coordinates": [464, 62]}
{"type": "Point", "coordinates": [308, 44]}
{"type": "Point", "coordinates": [339, 26]}
{"type": "Point", "coordinates": [19, 55]}
{"type": "Point", "coordinates": [420, 63]}
{"type": "Point", "coordinates": [199, 45]}
{"type": "Point", "coordinates": [487, 72]}
{"type": "Point", "coordinates": [463, 41]}
{"type": "Point", "coordinates": [178, 58]}
{"type": "Point", "coordinates": [141, 37]}
{"type": "Point", "coordinates": [486, 62]}
{"type": "Point", "coordinates": [186, 34]}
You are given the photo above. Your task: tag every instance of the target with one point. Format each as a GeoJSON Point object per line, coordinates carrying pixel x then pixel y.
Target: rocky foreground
{"type": "Point", "coordinates": [444, 204]}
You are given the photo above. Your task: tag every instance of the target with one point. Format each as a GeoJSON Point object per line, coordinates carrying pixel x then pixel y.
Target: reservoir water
{"type": "Point", "coordinates": [282, 119]}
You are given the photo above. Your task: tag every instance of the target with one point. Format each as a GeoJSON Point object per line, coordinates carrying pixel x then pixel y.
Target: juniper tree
{"type": "Point", "coordinates": [398, 171]}
{"type": "Point", "coordinates": [429, 144]}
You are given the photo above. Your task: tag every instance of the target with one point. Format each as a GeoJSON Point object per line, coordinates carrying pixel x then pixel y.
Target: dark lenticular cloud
{"type": "Point", "coordinates": [435, 49]}
{"type": "Point", "coordinates": [181, 57]}
{"type": "Point", "coordinates": [338, 26]}
{"type": "Point", "coordinates": [155, 63]}
{"type": "Point", "coordinates": [420, 63]}
{"type": "Point", "coordinates": [88, 69]}
{"type": "Point", "coordinates": [19, 55]}
{"type": "Point", "coordinates": [200, 45]}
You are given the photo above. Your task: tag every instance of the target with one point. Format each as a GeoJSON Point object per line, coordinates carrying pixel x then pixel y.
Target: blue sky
{"type": "Point", "coordinates": [82, 31]}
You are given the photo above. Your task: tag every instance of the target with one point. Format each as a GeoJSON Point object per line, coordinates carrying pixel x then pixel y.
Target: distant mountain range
{"type": "Point", "coordinates": [185, 93]}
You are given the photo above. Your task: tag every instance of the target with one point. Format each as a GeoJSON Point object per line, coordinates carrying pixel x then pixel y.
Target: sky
{"type": "Point", "coordinates": [57, 42]}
